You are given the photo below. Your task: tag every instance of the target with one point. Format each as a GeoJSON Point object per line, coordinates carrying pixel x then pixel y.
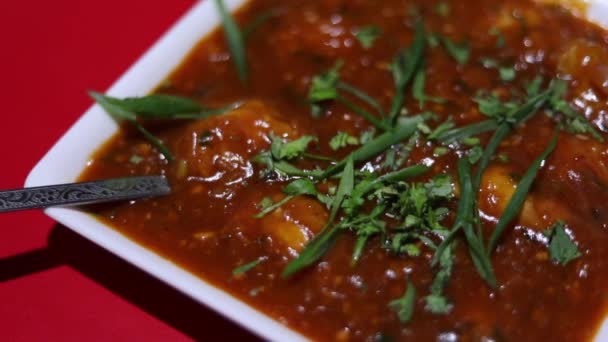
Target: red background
{"type": "Point", "coordinates": [55, 285]}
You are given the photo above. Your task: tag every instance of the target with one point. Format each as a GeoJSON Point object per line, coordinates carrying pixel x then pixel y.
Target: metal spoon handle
{"type": "Point", "coordinates": [83, 193]}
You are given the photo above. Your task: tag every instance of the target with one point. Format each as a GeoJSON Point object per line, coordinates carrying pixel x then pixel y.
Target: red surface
{"type": "Point", "coordinates": [55, 285]}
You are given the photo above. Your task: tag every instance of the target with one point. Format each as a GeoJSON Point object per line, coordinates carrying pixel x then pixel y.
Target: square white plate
{"type": "Point", "coordinates": [68, 158]}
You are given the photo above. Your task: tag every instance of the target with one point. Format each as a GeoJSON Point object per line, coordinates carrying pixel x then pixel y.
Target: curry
{"type": "Point", "coordinates": [383, 170]}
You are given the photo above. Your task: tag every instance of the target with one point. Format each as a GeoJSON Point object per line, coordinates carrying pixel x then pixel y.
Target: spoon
{"type": "Point", "coordinates": [72, 194]}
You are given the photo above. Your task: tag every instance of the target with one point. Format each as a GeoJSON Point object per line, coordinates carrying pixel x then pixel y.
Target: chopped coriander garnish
{"type": "Point", "coordinates": [342, 139]}
{"type": "Point", "coordinates": [440, 151]}
{"type": "Point", "coordinates": [562, 248]}
{"type": "Point", "coordinates": [568, 119]}
{"type": "Point", "coordinates": [404, 306]}
{"type": "Point", "coordinates": [507, 74]}
{"type": "Point", "coordinates": [323, 87]}
{"type": "Point", "coordinates": [241, 270]}
{"type": "Point", "coordinates": [405, 128]}
{"type": "Point", "coordinates": [235, 41]}
{"type": "Point", "coordinates": [459, 51]}
{"type": "Point", "coordinates": [289, 150]}
{"type": "Point", "coordinates": [326, 87]}
{"type": "Point", "coordinates": [436, 301]}
{"type": "Point", "coordinates": [367, 35]}
{"type": "Point", "coordinates": [474, 154]}
{"type": "Point", "coordinates": [489, 62]}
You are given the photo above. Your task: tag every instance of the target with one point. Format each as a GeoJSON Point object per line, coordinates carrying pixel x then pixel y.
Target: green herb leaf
{"type": "Point", "coordinates": [365, 226]}
{"type": "Point", "coordinates": [367, 135]}
{"type": "Point", "coordinates": [436, 302]}
{"type": "Point", "coordinates": [314, 250]}
{"type": "Point", "coordinates": [241, 270]}
{"type": "Point", "coordinates": [418, 86]}
{"type": "Point", "coordinates": [404, 67]}
{"type": "Point", "coordinates": [346, 186]}
{"type": "Point", "coordinates": [568, 118]}
{"type": "Point", "coordinates": [519, 196]}
{"type": "Point", "coordinates": [474, 154]}
{"type": "Point", "coordinates": [461, 133]}
{"type": "Point", "coordinates": [235, 41]}
{"type": "Point", "coordinates": [120, 113]}
{"type": "Point", "coordinates": [268, 206]}
{"type": "Point", "coordinates": [404, 306]}
{"type": "Point", "coordinates": [281, 167]}
{"type": "Point", "coordinates": [358, 250]}
{"type": "Point", "coordinates": [460, 52]}
{"type": "Point", "coordinates": [515, 117]}
{"type": "Point", "coordinates": [381, 124]}
{"type": "Point", "coordinates": [302, 186]}
{"type": "Point", "coordinates": [324, 86]}
{"type": "Point", "coordinates": [507, 74]}
{"type": "Point", "coordinates": [154, 107]}
{"type": "Point", "coordinates": [297, 187]}
{"type": "Point", "coordinates": [289, 150]}
{"type": "Point", "coordinates": [342, 139]}
{"type": "Point", "coordinates": [562, 248]}
{"type": "Point", "coordinates": [404, 129]}
{"type": "Point", "coordinates": [441, 129]}
{"type": "Point", "coordinates": [464, 219]}
{"type": "Point", "coordinates": [533, 88]}
{"type": "Point", "coordinates": [367, 35]}
{"type": "Point", "coordinates": [440, 151]}
{"type": "Point", "coordinates": [363, 188]}
{"type": "Point", "coordinates": [361, 95]}
{"type": "Point", "coordinates": [117, 111]}
{"type": "Point", "coordinates": [494, 108]}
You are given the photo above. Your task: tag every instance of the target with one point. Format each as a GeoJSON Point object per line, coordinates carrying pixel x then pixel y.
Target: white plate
{"type": "Point", "coordinates": [68, 158]}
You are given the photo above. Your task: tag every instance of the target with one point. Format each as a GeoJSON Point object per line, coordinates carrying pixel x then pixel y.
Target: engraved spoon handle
{"type": "Point", "coordinates": [115, 189]}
